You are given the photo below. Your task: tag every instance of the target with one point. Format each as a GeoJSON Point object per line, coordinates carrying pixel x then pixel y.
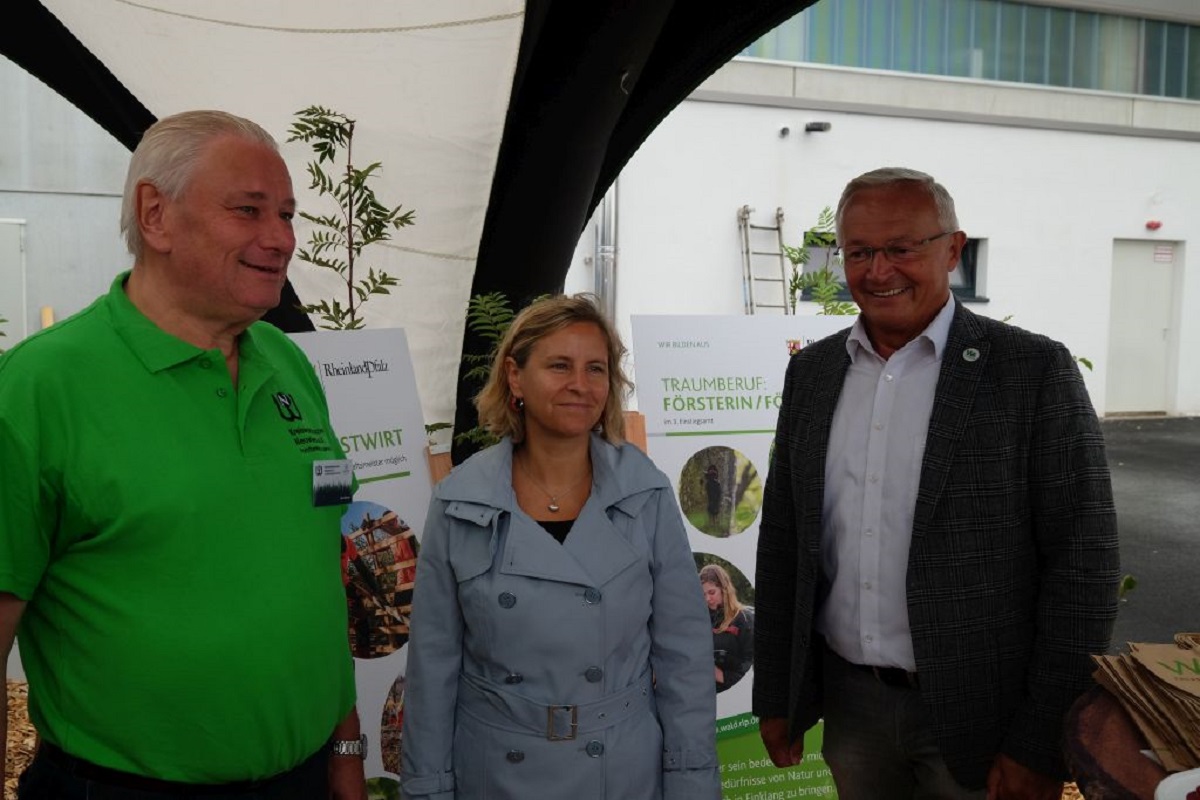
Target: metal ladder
{"type": "Point", "coordinates": [758, 236]}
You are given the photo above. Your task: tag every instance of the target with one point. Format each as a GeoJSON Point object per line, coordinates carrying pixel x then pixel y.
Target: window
{"type": "Point", "coordinates": [966, 279]}
{"type": "Point", "coordinates": [995, 40]}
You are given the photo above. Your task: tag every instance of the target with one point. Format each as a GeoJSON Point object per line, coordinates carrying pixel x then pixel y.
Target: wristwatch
{"type": "Point", "coordinates": [350, 747]}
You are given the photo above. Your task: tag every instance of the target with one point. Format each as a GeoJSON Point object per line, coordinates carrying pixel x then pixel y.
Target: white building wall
{"type": "Point", "coordinates": [1049, 203]}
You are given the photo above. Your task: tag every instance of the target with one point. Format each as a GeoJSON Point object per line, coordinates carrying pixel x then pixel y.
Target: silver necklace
{"type": "Point", "coordinates": [552, 506]}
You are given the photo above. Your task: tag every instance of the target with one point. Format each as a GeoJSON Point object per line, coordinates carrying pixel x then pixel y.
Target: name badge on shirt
{"type": "Point", "coordinates": [332, 482]}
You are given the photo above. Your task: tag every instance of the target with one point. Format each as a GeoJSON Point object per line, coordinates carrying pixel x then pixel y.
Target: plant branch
{"type": "Point", "coordinates": [360, 219]}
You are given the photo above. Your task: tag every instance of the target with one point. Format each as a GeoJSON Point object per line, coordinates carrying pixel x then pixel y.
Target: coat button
{"type": "Point", "coordinates": [593, 674]}
{"type": "Point", "coordinates": [515, 756]}
{"type": "Point", "coordinates": [592, 596]}
{"type": "Point", "coordinates": [507, 599]}
{"type": "Point", "coordinates": [514, 677]}
{"type": "Point", "coordinates": [595, 748]}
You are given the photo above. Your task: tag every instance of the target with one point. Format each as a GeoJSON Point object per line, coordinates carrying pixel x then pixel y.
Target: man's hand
{"type": "Point", "coordinates": [783, 753]}
{"type": "Point", "coordinates": [1010, 780]}
{"type": "Point", "coordinates": [347, 780]}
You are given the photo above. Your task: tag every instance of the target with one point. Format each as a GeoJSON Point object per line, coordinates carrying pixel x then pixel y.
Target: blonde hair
{"type": "Point", "coordinates": [716, 575]}
{"type": "Point", "coordinates": [494, 402]}
{"type": "Point", "coordinates": [167, 155]}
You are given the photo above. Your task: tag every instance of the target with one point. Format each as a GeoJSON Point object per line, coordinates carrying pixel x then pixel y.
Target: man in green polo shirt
{"type": "Point", "coordinates": [176, 590]}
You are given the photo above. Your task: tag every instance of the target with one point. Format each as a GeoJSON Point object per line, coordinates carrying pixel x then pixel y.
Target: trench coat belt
{"type": "Point", "coordinates": [504, 709]}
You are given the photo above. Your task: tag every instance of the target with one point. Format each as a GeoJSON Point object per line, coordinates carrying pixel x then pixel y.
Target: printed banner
{"type": "Point", "coordinates": [710, 389]}
{"type": "Point", "coordinates": [376, 413]}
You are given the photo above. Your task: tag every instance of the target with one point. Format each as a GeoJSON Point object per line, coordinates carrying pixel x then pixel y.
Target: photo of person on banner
{"type": "Point", "coordinates": [732, 626]}
{"type": "Point", "coordinates": [719, 491]}
{"type": "Point", "coordinates": [559, 643]}
{"type": "Point", "coordinates": [937, 558]}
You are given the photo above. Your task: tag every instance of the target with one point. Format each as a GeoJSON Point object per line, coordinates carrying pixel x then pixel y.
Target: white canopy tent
{"type": "Point", "coordinates": [501, 122]}
{"type": "Point", "coordinates": [427, 83]}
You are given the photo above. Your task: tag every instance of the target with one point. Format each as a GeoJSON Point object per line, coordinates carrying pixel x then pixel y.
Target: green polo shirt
{"type": "Point", "coordinates": [185, 617]}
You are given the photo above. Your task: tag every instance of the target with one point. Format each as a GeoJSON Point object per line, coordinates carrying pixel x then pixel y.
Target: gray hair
{"type": "Point", "coordinates": [892, 176]}
{"type": "Point", "coordinates": [167, 155]}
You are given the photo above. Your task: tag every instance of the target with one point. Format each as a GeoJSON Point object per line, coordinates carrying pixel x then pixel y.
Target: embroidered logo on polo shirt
{"type": "Point", "coordinates": [286, 404]}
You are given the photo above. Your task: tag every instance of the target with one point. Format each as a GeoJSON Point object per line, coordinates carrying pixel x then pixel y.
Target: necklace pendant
{"type": "Point", "coordinates": [552, 506]}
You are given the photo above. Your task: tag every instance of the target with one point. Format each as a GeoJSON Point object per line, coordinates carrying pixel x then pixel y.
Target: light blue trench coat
{"type": "Point", "coordinates": [537, 669]}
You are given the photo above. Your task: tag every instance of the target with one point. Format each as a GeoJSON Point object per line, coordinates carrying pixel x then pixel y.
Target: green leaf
{"type": "Point", "coordinates": [477, 435]}
{"type": "Point", "coordinates": [825, 221]}
{"type": "Point", "coordinates": [797, 255]}
{"type": "Point", "coordinates": [489, 315]}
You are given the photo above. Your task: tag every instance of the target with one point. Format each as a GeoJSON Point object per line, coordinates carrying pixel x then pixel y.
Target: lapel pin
{"type": "Point", "coordinates": [970, 354]}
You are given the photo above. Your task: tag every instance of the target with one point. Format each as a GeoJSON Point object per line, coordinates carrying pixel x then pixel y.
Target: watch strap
{"type": "Point", "coordinates": [350, 747]}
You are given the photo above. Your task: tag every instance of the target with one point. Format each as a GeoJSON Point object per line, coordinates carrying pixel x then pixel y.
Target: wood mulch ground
{"type": "Point", "coordinates": [21, 738]}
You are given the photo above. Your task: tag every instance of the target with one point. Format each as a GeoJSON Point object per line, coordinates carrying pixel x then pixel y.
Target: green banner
{"type": "Point", "coordinates": [748, 774]}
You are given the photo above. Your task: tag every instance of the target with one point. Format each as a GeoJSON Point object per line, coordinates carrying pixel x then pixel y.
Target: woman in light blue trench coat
{"type": "Point", "coordinates": [560, 644]}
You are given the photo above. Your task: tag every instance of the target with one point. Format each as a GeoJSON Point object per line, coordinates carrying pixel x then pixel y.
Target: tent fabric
{"type": "Point", "coordinates": [47, 49]}
{"type": "Point", "coordinates": [594, 78]}
{"type": "Point", "coordinates": [427, 83]}
{"type": "Point", "coordinates": [501, 122]}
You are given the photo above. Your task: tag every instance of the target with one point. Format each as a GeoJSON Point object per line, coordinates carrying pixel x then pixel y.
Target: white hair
{"type": "Point", "coordinates": [167, 155]}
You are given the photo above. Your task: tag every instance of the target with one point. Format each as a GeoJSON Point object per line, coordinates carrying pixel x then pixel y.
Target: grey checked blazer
{"type": "Point", "coordinates": [1013, 568]}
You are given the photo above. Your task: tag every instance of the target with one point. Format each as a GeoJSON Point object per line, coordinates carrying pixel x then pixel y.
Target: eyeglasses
{"type": "Point", "coordinates": [900, 252]}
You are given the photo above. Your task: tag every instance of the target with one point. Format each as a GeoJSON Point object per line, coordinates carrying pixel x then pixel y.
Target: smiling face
{"type": "Point", "coordinates": [713, 595]}
{"type": "Point", "coordinates": [564, 382]}
{"type": "Point", "coordinates": [224, 244]}
{"type": "Point", "coordinates": [898, 300]}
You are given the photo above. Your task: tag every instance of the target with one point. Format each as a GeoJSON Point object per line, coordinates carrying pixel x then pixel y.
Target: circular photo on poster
{"type": "Point", "coordinates": [730, 600]}
{"type": "Point", "coordinates": [389, 727]}
{"type": "Point", "coordinates": [719, 491]}
{"type": "Point", "coordinates": [379, 563]}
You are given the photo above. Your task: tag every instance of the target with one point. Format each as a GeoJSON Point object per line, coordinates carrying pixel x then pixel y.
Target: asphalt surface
{"type": "Point", "coordinates": [1155, 464]}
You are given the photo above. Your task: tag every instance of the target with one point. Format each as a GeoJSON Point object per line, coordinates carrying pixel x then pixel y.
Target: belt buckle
{"type": "Point", "coordinates": [552, 733]}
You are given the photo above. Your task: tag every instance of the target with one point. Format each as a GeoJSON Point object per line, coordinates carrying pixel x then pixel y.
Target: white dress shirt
{"type": "Point", "coordinates": [872, 471]}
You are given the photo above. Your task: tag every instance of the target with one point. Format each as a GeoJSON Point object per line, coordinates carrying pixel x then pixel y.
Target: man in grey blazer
{"type": "Point", "coordinates": [938, 551]}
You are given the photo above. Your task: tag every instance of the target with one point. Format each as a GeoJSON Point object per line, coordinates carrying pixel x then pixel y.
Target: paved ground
{"type": "Point", "coordinates": [1155, 467]}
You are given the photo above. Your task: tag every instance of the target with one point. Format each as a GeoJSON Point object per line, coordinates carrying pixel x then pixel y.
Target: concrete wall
{"type": "Point", "coordinates": [881, 93]}
{"type": "Point", "coordinates": [1048, 201]}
